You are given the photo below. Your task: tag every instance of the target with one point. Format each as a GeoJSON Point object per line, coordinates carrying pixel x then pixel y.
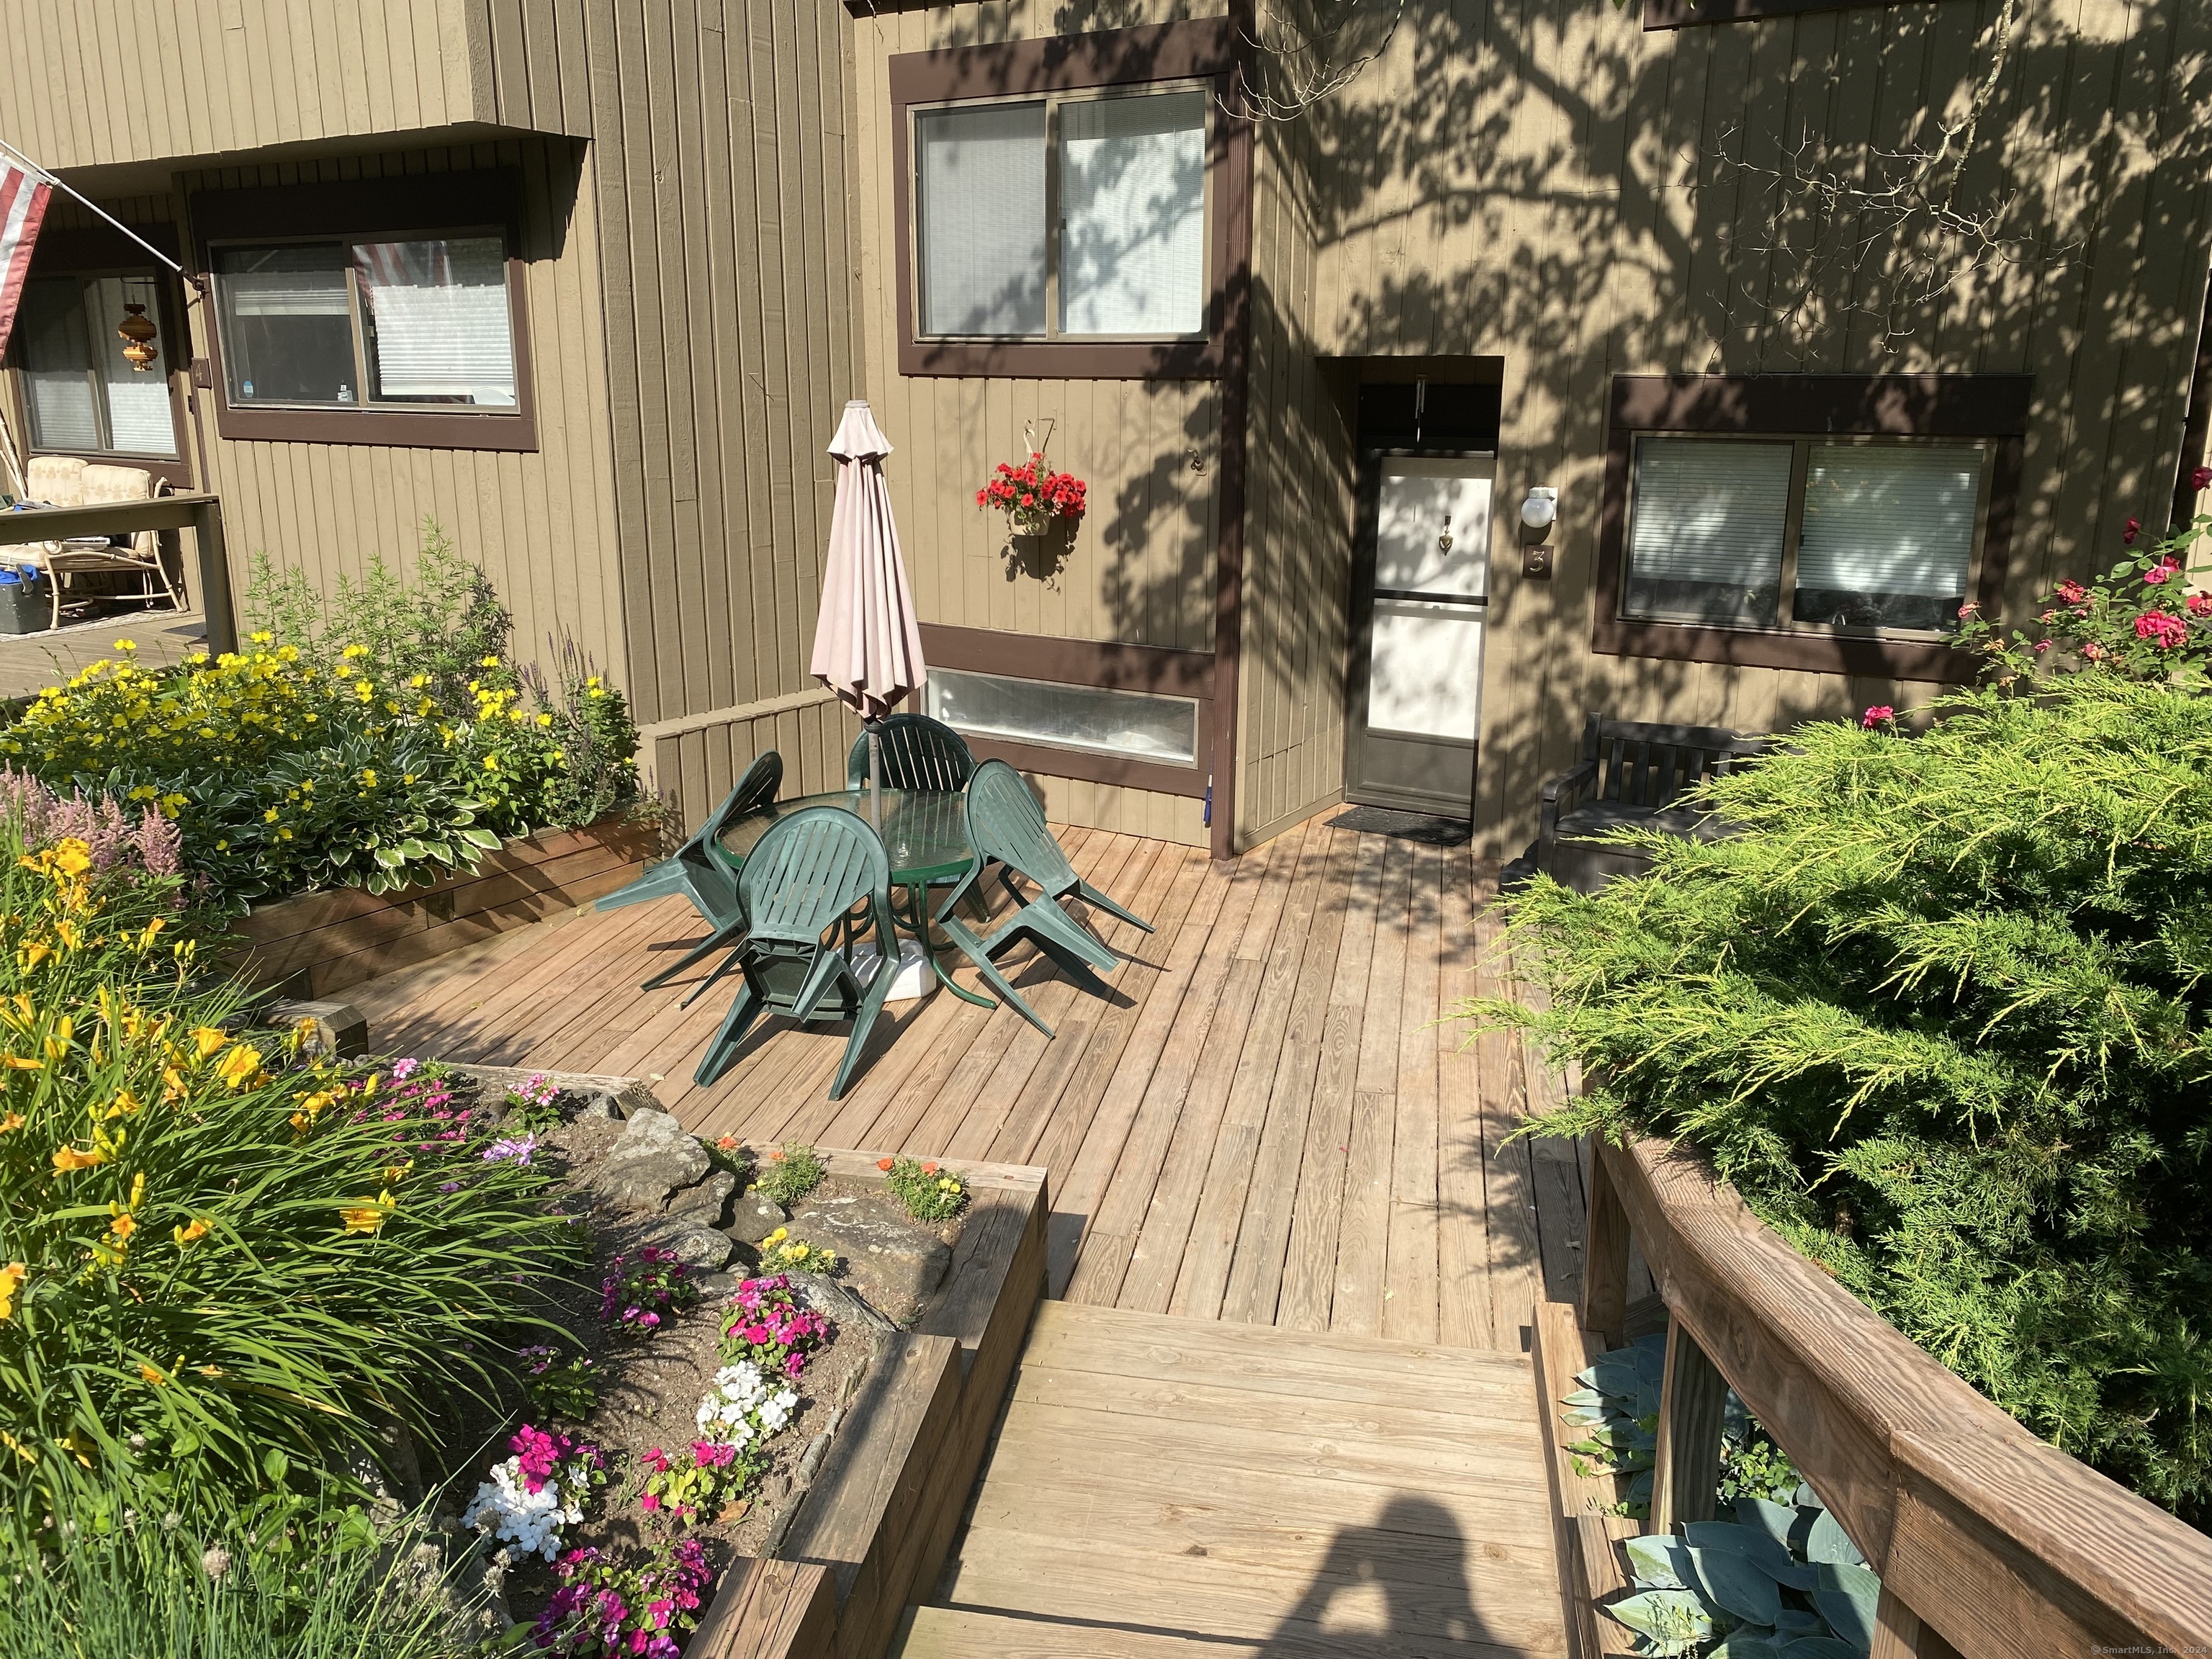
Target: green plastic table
{"type": "Point", "coordinates": [925, 834]}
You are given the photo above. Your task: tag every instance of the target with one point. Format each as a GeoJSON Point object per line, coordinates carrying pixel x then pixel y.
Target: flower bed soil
{"type": "Point", "coordinates": [906, 1297]}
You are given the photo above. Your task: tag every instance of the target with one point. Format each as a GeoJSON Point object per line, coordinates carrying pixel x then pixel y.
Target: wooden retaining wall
{"type": "Point", "coordinates": [876, 1526]}
{"type": "Point", "coordinates": [321, 942]}
{"type": "Point", "coordinates": [1991, 1543]}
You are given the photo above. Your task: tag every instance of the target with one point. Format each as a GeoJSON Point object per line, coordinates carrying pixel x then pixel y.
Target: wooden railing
{"type": "Point", "coordinates": [1989, 1542]}
{"type": "Point", "coordinates": [200, 513]}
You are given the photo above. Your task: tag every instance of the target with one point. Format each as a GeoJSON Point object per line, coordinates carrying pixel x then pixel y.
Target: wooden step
{"type": "Point", "coordinates": [1164, 1487]}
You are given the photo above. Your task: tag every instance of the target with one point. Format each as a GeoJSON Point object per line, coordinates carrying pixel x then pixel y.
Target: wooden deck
{"type": "Point", "coordinates": [1357, 1498]}
{"type": "Point", "coordinates": [1265, 1126]}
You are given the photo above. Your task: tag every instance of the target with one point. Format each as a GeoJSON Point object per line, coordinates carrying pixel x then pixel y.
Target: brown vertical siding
{"type": "Point", "coordinates": [726, 256]}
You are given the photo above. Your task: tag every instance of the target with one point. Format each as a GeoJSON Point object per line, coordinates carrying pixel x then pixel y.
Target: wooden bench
{"type": "Point", "coordinates": [1631, 773]}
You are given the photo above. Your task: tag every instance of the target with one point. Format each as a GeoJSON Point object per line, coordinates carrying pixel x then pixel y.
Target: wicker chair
{"type": "Point", "coordinates": [66, 481]}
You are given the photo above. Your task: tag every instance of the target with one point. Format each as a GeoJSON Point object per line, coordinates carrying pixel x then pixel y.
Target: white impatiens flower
{"type": "Point", "coordinates": [742, 1407]}
{"type": "Point", "coordinates": [531, 1520]}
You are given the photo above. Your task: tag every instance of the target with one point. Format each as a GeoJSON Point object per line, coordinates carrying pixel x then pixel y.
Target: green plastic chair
{"type": "Point", "coordinates": [919, 753]}
{"type": "Point", "coordinates": [1007, 826]}
{"type": "Point", "coordinates": [799, 884]}
{"type": "Point", "coordinates": [681, 874]}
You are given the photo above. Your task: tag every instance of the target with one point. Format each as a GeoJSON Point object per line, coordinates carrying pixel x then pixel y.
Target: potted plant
{"type": "Point", "coordinates": [1035, 498]}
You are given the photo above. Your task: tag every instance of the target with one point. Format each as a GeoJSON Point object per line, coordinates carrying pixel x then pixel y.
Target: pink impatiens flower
{"type": "Point", "coordinates": [1879, 714]}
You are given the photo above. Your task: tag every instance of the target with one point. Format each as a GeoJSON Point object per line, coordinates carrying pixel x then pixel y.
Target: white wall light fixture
{"type": "Point", "coordinates": [1542, 508]}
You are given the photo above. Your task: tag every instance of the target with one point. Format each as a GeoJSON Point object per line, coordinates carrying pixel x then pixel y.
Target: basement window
{"type": "Point", "coordinates": [1141, 725]}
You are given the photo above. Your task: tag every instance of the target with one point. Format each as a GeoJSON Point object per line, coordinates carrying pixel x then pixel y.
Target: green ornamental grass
{"type": "Point", "coordinates": [1940, 1012]}
{"type": "Point", "coordinates": [221, 1271]}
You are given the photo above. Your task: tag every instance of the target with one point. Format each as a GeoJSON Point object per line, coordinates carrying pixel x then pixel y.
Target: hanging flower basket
{"type": "Point", "coordinates": [1034, 498]}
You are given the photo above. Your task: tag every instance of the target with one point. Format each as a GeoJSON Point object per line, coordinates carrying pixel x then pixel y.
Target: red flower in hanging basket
{"type": "Point", "coordinates": [1032, 496]}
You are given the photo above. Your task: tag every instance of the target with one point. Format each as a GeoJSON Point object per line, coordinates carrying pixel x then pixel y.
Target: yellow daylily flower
{"type": "Point", "coordinates": [67, 1159]}
{"type": "Point", "coordinates": [370, 1217]}
{"type": "Point", "coordinates": [208, 1039]}
{"type": "Point", "coordinates": [11, 1280]}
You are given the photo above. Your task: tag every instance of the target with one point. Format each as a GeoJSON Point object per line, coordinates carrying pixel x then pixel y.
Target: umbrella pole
{"type": "Point", "coordinates": [876, 774]}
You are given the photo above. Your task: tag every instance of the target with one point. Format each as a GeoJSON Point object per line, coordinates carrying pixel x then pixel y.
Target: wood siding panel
{"type": "Point", "coordinates": [542, 525]}
{"type": "Point", "coordinates": [1551, 184]}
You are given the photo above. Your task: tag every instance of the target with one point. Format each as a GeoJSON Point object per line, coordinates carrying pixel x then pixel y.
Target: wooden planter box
{"type": "Point", "coordinates": [321, 942]}
{"type": "Point", "coordinates": [872, 1531]}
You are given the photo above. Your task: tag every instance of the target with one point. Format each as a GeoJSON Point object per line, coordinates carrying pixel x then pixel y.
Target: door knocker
{"type": "Point", "coordinates": [1444, 541]}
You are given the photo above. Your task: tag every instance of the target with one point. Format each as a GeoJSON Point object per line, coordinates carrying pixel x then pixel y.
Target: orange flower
{"type": "Point", "coordinates": [67, 1159]}
{"type": "Point", "coordinates": [929, 1169]}
{"type": "Point", "coordinates": [883, 1163]}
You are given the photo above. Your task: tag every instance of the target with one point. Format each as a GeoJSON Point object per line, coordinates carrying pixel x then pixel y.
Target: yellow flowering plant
{"type": "Point", "coordinates": [392, 746]}
{"type": "Point", "coordinates": [217, 1258]}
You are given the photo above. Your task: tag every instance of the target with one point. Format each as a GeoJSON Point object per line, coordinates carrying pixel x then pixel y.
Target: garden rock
{"type": "Point", "coordinates": [886, 1253]}
{"type": "Point", "coordinates": [707, 1203]}
{"type": "Point", "coordinates": [838, 1303]}
{"type": "Point", "coordinates": [753, 1218]}
{"type": "Point", "coordinates": [695, 1245]}
{"type": "Point", "coordinates": [654, 1156]}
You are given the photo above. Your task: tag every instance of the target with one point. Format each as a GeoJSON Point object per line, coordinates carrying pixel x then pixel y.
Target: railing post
{"type": "Point", "coordinates": [215, 579]}
{"type": "Point", "coordinates": [1693, 1404]}
{"type": "Point", "coordinates": [1899, 1633]}
{"type": "Point", "coordinates": [1605, 1256]}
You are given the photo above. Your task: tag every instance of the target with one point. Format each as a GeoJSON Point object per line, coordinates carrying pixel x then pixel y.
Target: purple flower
{"type": "Point", "coordinates": [518, 1150]}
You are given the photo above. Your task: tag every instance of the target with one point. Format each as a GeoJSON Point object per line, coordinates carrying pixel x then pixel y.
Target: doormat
{"type": "Point", "coordinates": [1407, 826]}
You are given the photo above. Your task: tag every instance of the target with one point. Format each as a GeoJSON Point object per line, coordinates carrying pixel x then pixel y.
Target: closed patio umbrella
{"type": "Point", "coordinates": [867, 645]}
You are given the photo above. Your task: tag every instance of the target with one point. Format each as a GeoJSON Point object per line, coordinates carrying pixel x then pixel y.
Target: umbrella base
{"type": "Point", "coordinates": [912, 977]}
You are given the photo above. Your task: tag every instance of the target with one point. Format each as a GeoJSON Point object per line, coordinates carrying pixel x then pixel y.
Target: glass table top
{"type": "Point", "coordinates": [925, 831]}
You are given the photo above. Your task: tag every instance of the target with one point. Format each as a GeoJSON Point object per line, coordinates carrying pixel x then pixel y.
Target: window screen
{"type": "Point", "coordinates": [81, 392]}
{"type": "Point", "coordinates": [1136, 724]}
{"type": "Point", "coordinates": [1708, 520]}
{"type": "Point", "coordinates": [980, 211]}
{"type": "Point", "coordinates": [58, 380]}
{"type": "Point", "coordinates": [1133, 214]}
{"type": "Point", "coordinates": [140, 421]}
{"type": "Point", "coordinates": [1886, 535]}
{"type": "Point", "coordinates": [287, 324]}
{"type": "Point", "coordinates": [435, 321]}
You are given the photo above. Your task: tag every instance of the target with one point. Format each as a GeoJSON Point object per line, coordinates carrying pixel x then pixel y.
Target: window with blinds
{"type": "Point", "coordinates": [1886, 535]}
{"type": "Point", "coordinates": [393, 325]}
{"type": "Point", "coordinates": [81, 393]}
{"type": "Point", "coordinates": [1873, 536]}
{"type": "Point", "coordinates": [1075, 216]}
{"type": "Point", "coordinates": [1708, 518]}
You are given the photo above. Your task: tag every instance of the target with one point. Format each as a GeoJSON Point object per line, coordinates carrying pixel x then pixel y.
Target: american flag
{"type": "Point", "coordinates": [23, 193]}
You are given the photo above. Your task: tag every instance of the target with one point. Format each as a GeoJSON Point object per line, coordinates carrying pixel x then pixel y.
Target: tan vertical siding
{"type": "Point", "coordinates": [1545, 184]}
{"type": "Point", "coordinates": [105, 82]}
{"type": "Point", "coordinates": [542, 525]}
{"type": "Point", "coordinates": [1141, 568]}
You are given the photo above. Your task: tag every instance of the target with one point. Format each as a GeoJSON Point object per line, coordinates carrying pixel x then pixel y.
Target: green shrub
{"type": "Point", "coordinates": [218, 1267]}
{"type": "Point", "coordinates": [391, 746]}
{"type": "Point", "coordinates": [1940, 1013]}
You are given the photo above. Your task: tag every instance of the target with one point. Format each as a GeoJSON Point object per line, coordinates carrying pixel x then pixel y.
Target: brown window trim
{"type": "Point", "coordinates": [1688, 14]}
{"type": "Point", "coordinates": [1990, 407]}
{"type": "Point", "coordinates": [1203, 50]}
{"type": "Point", "coordinates": [101, 250]}
{"type": "Point", "coordinates": [1085, 662]}
{"type": "Point", "coordinates": [419, 202]}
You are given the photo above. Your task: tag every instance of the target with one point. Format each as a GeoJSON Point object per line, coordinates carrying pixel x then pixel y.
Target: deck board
{"type": "Point", "coordinates": [1356, 1496]}
{"type": "Point", "coordinates": [1265, 1125]}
